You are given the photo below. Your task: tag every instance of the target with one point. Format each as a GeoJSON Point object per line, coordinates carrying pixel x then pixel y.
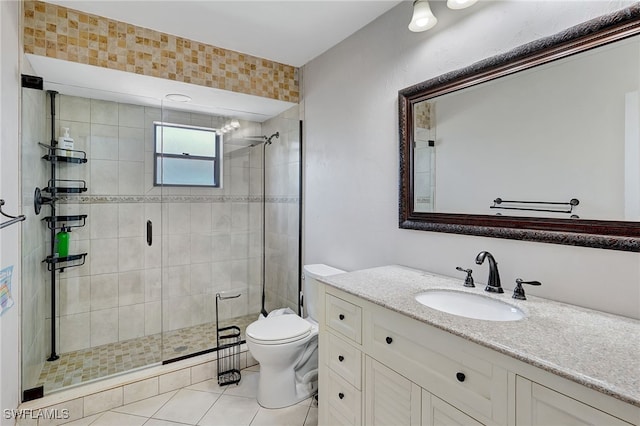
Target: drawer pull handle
{"type": "Point", "coordinates": [340, 395]}
{"type": "Point", "coordinates": [460, 377]}
{"type": "Point", "coordinates": [340, 358]}
{"type": "Point", "coordinates": [341, 316]}
{"type": "Point", "coordinates": [389, 340]}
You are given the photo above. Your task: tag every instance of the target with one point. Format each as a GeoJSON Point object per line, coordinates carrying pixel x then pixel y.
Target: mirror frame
{"type": "Point", "coordinates": [613, 235]}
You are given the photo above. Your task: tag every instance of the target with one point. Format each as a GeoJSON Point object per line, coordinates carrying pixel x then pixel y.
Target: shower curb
{"type": "Point", "coordinates": [106, 394]}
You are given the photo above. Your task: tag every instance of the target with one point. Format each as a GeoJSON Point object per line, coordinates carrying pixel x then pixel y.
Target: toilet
{"type": "Point", "coordinates": [286, 346]}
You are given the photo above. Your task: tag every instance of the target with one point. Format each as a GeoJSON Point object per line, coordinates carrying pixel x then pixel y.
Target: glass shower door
{"type": "Point", "coordinates": [212, 225]}
{"type": "Point", "coordinates": [282, 206]}
{"type": "Point", "coordinates": [106, 317]}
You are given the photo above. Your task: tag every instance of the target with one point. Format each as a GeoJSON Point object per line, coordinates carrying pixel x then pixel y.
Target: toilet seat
{"type": "Point", "coordinates": [278, 330]}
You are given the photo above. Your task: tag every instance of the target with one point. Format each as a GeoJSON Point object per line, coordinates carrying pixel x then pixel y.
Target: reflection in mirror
{"type": "Point", "coordinates": [424, 158]}
{"type": "Point", "coordinates": [541, 143]}
{"type": "Point", "coordinates": [564, 130]}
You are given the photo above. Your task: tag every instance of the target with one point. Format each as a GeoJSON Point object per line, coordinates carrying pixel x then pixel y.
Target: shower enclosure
{"type": "Point", "coordinates": [156, 253]}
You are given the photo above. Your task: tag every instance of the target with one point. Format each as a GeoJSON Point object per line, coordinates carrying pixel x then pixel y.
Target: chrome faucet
{"type": "Point", "coordinates": [493, 285]}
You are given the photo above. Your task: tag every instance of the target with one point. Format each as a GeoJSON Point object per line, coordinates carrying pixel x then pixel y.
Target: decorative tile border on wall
{"type": "Point", "coordinates": [98, 199]}
{"type": "Point", "coordinates": [58, 32]}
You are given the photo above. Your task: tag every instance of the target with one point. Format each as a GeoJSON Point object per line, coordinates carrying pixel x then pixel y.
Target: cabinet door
{"type": "Point", "coordinates": [390, 399]}
{"type": "Point", "coordinates": [436, 412]}
{"type": "Point", "coordinates": [457, 371]}
{"type": "Point", "coordinates": [539, 405]}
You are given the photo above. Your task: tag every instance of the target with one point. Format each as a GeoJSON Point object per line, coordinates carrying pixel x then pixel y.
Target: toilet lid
{"type": "Point", "coordinates": [280, 329]}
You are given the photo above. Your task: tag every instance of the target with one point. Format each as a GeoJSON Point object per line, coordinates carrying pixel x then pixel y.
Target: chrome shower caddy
{"type": "Point", "coordinates": [228, 342]}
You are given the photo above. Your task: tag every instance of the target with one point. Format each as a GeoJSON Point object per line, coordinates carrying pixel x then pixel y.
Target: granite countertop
{"type": "Point", "coordinates": [595, 349]}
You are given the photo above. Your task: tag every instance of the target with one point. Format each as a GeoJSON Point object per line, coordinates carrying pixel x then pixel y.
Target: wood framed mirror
{"type": "Point", "coordinates": [541, 143]}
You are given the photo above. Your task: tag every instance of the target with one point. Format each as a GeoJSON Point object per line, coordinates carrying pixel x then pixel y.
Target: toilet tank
{"type": "Point", "coordinates": [310, 286]}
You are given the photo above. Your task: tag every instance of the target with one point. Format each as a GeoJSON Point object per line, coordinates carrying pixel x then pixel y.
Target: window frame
{"type": "Point", "coordinates": [158, 181]}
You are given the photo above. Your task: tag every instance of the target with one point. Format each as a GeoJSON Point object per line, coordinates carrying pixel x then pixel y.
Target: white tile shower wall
{"type": "Point", "coordinates": [282, 210]}
{"type": "Point", "coordinates": [206, 240]}
{"type": "Point", "coordinates": [34, 333]}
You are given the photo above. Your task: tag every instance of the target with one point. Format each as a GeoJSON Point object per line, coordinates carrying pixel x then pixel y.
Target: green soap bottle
{"type": "Point", "coordinates": [62, 241]}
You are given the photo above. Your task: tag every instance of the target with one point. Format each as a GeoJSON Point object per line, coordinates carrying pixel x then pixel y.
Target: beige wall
{"type": "Point", "coordinates": [351, 145]}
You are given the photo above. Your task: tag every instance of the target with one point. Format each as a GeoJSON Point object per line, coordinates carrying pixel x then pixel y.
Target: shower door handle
{"type": "Point", "coordinates": [149, 232]}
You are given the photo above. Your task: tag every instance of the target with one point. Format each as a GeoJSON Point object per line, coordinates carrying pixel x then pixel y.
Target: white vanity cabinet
{"type": "Point", "coordinates": [436, 412]}
{"type": "Point", "coordinates": [340, 361]}
{"type": "Point", "coordinates": [380, 367]}
{"type": "Point", "coordinates": [390, 398]}
{"type": "Point", "coordinates": [456, 371]}
{"type": "Point", "coordinates": [537, 405]}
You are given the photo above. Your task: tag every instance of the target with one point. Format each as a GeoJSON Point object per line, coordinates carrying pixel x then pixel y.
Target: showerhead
{"type": "Point", "coordinates": [263, 138]}
{"type": "Point", "coordinates": [268, 140]}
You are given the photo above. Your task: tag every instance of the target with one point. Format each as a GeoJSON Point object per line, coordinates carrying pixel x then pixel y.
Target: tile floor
{"type": "Point", "coordinates": [207, 404]}
{"type": "Point", "coordinates": [114, 358]}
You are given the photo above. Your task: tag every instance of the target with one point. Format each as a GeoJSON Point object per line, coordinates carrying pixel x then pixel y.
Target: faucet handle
{"type": "Point", "coordinates": [468, 281]}
{"type": "Point", "coordinates": [518, 292]}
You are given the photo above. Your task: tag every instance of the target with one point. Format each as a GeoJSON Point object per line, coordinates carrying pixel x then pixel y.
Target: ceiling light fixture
{"type": "Point", "coordinates": [177, 97]}
{"type": "Point", "coordinates": [460, 4]}
{"type": "Point", "coordinates": [229, 126]}
{"type": "Point", "coordinates": [423, 19]}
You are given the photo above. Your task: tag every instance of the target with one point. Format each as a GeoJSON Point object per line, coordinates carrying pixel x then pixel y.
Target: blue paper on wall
{"type": "Point", "coordinates": [6, 301]}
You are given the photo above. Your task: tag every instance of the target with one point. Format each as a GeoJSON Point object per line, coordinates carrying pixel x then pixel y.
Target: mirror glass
{"type": "Point", "coordinates": [541, 143]}
{"type": "Point", "coordinates": [561, 131]}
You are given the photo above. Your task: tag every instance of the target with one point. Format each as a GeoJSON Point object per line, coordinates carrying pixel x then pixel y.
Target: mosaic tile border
{"type": "Point", "coordinates": [105, 199]}
{"type": "Point", "coordinates": [58, 32]}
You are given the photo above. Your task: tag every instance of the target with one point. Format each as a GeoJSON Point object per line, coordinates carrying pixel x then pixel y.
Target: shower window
{"type": "Point", "coordinates": [186, 156]}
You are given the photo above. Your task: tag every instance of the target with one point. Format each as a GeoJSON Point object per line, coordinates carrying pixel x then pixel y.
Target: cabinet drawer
{"type": "Point", "coordinates": [345, 360]}
{"type": "Point", "coordinates": [343, 400]}
{"type": "Point", "coordinates": [438, 362]}
{"type": "Point", "coordinates": [344, 317]}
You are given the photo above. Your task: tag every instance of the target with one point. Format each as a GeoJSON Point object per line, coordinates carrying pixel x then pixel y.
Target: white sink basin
{"type": "Point", "coordinates": [469, 305]}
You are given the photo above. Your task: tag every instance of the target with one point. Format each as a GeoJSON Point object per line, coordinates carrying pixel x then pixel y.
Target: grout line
{"type": "Point", "coordinates": [175, 392]}
{"type": "Point", "coordinates": [207, 410]}
{"type": "Point", "coordinates": [255, 415]}
{"type": "Point", "coordinates": [307, 416]}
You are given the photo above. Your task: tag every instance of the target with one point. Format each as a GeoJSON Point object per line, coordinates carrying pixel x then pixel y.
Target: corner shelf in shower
{"type": "Point", "coordinates": [53, 220]}
{"type": "Point", "coordinates": [66, 261]}
{"type": "Point", "coordinates": [58, 155]}
{"type": "Point", "coordinates": [73, 189]}
{"type": "Point", "coordinates": [55, 156]}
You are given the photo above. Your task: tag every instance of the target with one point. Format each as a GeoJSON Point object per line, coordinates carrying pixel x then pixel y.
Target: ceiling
{"type": "Point", "coordinates": [292, 32]}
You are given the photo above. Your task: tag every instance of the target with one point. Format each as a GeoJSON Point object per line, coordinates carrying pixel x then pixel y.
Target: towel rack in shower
{"type": "Point", "coordinates": [14, 219]}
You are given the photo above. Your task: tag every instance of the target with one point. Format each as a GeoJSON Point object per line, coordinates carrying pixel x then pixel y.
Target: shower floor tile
{"type": "Point", "coordinates": [115, 358]}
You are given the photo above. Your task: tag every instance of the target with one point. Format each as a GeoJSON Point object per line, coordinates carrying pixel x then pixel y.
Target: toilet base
{"type": "Point", "coordinates": [290, 391]}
